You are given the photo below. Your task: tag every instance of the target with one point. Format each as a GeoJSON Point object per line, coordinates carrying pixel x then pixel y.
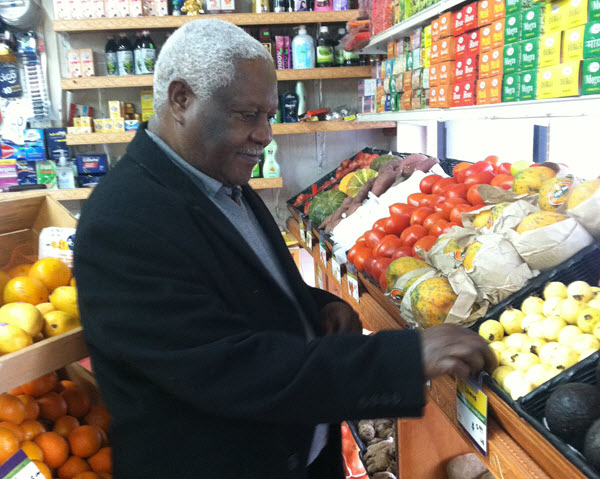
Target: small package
{"type": "Point", "coordinates": [26, 173]}
{"type": "Point", "coordinates": [46, 174]}
{"type": "Point", "coordinates": [532, 22]}
{"type": "Point", "coordinates": [56, 143]}
{"type": "Point", "coordinates": [511, 58]}
{"type": "Point", "coordinates": [457, 94]}
{"type": "Point", "coordinates": [74, 63]}
{"type": "Point", "coordinates": [458, 20]}
{"type": "Point", "coordinates": [471, 68]}
{"type": "Point", "coordinates": [435, 52]}
{"type": "Point", "coordinates": [498, 33]}
{"type": "Point", "coordinates": [510, 87]}
{"type": "Point", "coordinates": [594, 10]}
{"type": "Point", "coordinates": [34, 145]}
{"type": "Point", "coordinates": [576, 14]}
{"type": "Point", "coordinates": [409, 62]}
{"type": "Point", "coordinates": [99, 125]}
{"type": "Point", "coordinates": [147, 97]}
{"type": "Point", "coordinates": [416, 63]}
{"type": "Point", "coordinates": [427, 36]}
{"type": "Point", "coordinates": [446, 73]}
{"type": "Point", "coordinates": [435, 30]}
{"type": "Point", "coordinates": [498, 9]}
{"type": "Point", "coordinates": [425, 78]}
{"type": "Point", "coordinates": [416, 79]}
{"type": "Point", "coordinates": [447, 49]}
{"type": "Point", "coordinates": [554, 16]}
{"type": "Point", "coordinates": [484, 12]}
{"type": "Point", "coordinates": [572, 44]}
{"type": "Point", "coordinates": [470, 14]}
{"type": "Point", "coordinates": [91, 164]}
{"type": "Point", "coordinates": [495, 89]}
{"type": "Point", "coordinates": [118, 124]}
{"type": "Point", "coordinates": [512, 27]}
{"type": "Point", "coordinates": [461, 46]}
{"type": "Point", "coordinates": [407, 81]}
{"type": "Point", "coordinates": [468, 93]}
{"type": "Point", "coordinates": [530, 54]}
{"type": "Point", "coordinates": [135, 8]}
{"type": "Point", "coordinates": [87, 62]}
{"type": "Point", "coordinates": [496, 62]}
{"type": "Point", "coordinates": [550, 46]}
{"type": "Point", "coordinates": [416, 100]}
{"type": "Point", "coordinates": [446, 26]}
{"type": "Point", "coordinates": [482, 97]}
{"type": "Point", "coordinates": [434, 76]}
{"type": "Point", "coordinates": [427, 58]}
{"type": "Point", "coordinates": [591, 40]}
{"type": "Point", "coordinates": [485, 38]}
{"type": "Point", "coordinates": [433, 98]}
{"type": "Point", "coordinates": [473, 42]}
{"type": "Point", "coordinates": [55, 242]}
{"type": "Point", "coordinates": [406, 102]}
{"type": "Point", "coordinates": [459, 70]}
{"type": "Point", "coordinates": [512, 6]}
{"type": "Point", "coordinates": [415, 38]}
{"type": "Point", "coordinates": [444, 96]}
{"type": "Point", "coordinates": [8, 174]}
{"type": "Point", "coordinates": [108, 125]}
{"type": "Point", "coordinates": [485, 65]}
{"type": "Point", "coordinates": [88, 180]}
{"type": "Point", "coordinates": [115, 109]}
{"type": "Point", "coordinates": [590, 79]}
{"type": "Point", "coordinates": [161, 7]}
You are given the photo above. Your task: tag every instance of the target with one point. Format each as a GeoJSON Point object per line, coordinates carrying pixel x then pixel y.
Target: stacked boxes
{"type": "Point", "coordinates": [84, 9]}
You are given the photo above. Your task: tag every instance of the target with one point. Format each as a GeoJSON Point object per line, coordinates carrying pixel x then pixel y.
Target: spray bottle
{"type": "Point", "coordinates": [271, 167]}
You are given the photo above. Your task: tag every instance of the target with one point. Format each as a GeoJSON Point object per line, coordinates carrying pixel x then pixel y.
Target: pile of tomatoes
{"type": "Point", "coordinates": [428, 214]}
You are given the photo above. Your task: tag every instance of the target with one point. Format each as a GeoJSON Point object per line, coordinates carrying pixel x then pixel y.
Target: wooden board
{"type": "Point", "coordinates": [384, 302]}
{"type": "Point", "coordinates": [325, 126]}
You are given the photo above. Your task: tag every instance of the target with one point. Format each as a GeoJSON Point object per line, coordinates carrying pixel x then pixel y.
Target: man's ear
{"type": "Point", "coordinates": [180, 97]}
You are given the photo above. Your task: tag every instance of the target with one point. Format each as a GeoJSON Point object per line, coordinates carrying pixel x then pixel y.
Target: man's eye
{"type": "Point", "coordinates": [248, 115]}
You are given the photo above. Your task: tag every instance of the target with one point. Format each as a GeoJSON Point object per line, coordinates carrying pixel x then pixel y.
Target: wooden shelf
{"type": "Point", "coordinates": [100, 138]}
{"type": "Point", "coordinates": [325, 126]}
{"type": "Point", "coordinates": [136, 81]}
{"type": "Point", "coordinates": [171, 22]}
{"type": "Point", "coordinates": [266, 183]}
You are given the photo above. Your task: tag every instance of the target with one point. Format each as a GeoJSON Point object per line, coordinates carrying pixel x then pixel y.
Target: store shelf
{"type": "Point", "coordinates": [100, 138]}
{"type": "Point", "coordinates": [171, 22]}
{"type": "Point", "coordinates": [325, 126]}
{"type": "Point", "coordinates": [266, 183]}
{"type": "Point", "coordinates": [133, 81]}
{"type": "Point", "coordinates": [551, 108]}
{"type": "Point", "coordinates": [378, 44]}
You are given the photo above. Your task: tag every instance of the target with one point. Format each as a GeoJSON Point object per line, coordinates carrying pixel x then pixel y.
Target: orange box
{"type": "Point", "coordinates": [495, 89]}
{"type": "Point", "coordinates": [433, 97]}
{"type": "Point", "coordinates": [407, 100]}
{"type": "Point", "coordinates": [460, 46]}
{"type": "Point", "coordinates": [435, 30]}
{"type": "Point", "coordinates": [447, 49]}
{"type": "Point", "coordinates": [485, 60]}
{"type": "Point", "coordinates": [434, 57]}
{"type": "Point", "coordinates": [434, 75]}
{"type": "Point", "coordinates": [496, 64]}
{"type": "Point", "coordinates": [446, 72]}
{"type": "Point", "coordinates": [485, 39]}
{"type": "Point", "coordinates": [484, 12]}
{"type": "Point", "coordinates": [483, 91]}
{"type": "Point", "coordinates": [498, 33]}
{"type": "Point", "coordinates": [447, 25]}
{"type": "Point", "coordinates": [468, 93]}
{"type": "Point", "coordinates": [457, 94]}
{"type": "Point", "coordinates": [444, 96]}
{"type": "Point", "coordinates": [391, 50]}
{"type": "Point", "coordinates": [407, 83]}
{"type": "Point", "coordinates": [498, 9]}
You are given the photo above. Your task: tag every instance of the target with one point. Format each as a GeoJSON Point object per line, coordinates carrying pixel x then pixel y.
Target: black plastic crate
{"type": "Point", "coordinates": [531, 408]}
{"type": "Point", "coordinates": [448, 165]}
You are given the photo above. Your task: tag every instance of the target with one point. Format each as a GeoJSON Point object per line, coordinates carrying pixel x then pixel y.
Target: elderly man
{"type": "Point", "coordinates": [215, 359]}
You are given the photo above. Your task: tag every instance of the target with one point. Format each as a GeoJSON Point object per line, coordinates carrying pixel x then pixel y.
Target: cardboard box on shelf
{"type": "Point", "coordinates": [417, 79]}
{"type": "Point", "coordinates": [512, 6]}
{"type": "Point", "coordinates": [530, 54]}
{"type": "Point", "coordinates": [485, 38]}
{"type": "Point", "coordinates": [591, 40]}
{"type": "Point", "coordinates": [406, 100]}
{"type": "Point", "coordinates": [512, 27]}
{"type": "Point", "coordinates": [435, 52]}
{"type": "Point", "coordinates": [473, 42]}
{"type": "Point", "coordinates": [416, 100]}
{"type": "Point", "coordinates": [446, 28]}
{"type": "Point", "coordinates": [495, 90]}
{"type": "Point", "coordinates": [482, 91]}
{"type": "Point", "coordinates": [458, 20]}
{"type": "Point", "coordinates": [446, 73]}
{"type": "Point", "coordinates": [470, 14]}
{"type": "Point", "coordinates": [457, 95]}
{"type": "Point", "coordinates": [550, 46]}
{"type": "Point", "coordinates": [459, 70]}
{"type": "Point", "coordinates": [468, 93]}
{"type": "Point", "coordinates": [576, 14]}
{"type": "Point", "coordinates": [554, 14]}
{"type": "Point", "coordinates": [417, 63]}
{"type": "Point", "coordinates": [444, 96]}
{"type": "Point", "coordinates": [471, 67]}
{"type": "Point", "coordinates": [434, 76]}
{"type": "Point", "coordinates": [427, 58]}
{"type": "Point", "coordinates": [532, 22]}
{"type": "Point", "coordinates": [498, 33]}
{"type": "Point", "coordinates": [415, 38]}
{"type": "Point", "coordinates": [484, 12]}
{"type": "Point", "coordinates": [460, 45]}
{"type": "Point", "coordinates": [572, 44]}
{"type": "Point", "coordinates": [425, 78]}
{"type": "Point", "coordinates": [87, 62]}
{"type": "Point", "coordinates": [590, 79]}
{"type": "Point", "coordinates": [435, 30]}
{"type": "Point", "coordinates": [427, 37]}
{"type": "Point", "coordinates": [409, 62]}
{"type": "Point", "coordinates": [407, 81]}
{"type": "Point", "coordinates": [498, 9]}
{"type": "Point", "coordinates": [511, 58]}
{"type": "Point", "coordinates": [568, 79]}
{"type": "Point", "coordinates": [74, 63]}
{"type": "Point", "coordinates": [485, 65]}
{"type": "Point", "coordinates": [447, 49]}
{"type": "Point", "coordinates": [594, 10]}
{"type": "Point", "coordinates": [510, 87]}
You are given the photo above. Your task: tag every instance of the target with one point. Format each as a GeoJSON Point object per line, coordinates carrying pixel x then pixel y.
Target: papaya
{"type": "Point", "coordinates": [554, 192]}
{"type": "Point", "coordinates": [482, 219]}
{"type": "Point", "coordinates": [582, 192]}
{"type": "Point", "coordinates": [431, 301]}
{"type": "Point", "coordinates": [400, 267]}
{"type": "Point", "coordinates": [451, 246]}
{"type": "Point", "coordinates": [496, 212]}
{"type": "Point", "coordinates": [539, 219]}
{"type": "Point", "coordinates": [530, 180]}
{"type": "Point", "coordinates": [472, 251]}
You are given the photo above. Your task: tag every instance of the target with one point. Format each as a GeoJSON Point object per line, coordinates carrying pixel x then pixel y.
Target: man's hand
{"type": "Point", "coordinates": [338, 317]}
{"type": "Point", "coordinates": [454, 350]}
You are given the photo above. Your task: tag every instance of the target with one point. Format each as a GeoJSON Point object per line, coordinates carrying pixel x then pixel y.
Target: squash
{"type": "Point", "coordinates": [325, 204]}
{"type": "Point", "coordinates": [431, 301]}
{"type": "Point", "coordinates": [358, 179]}
{"type": "Point", "coordinates": [382, 160]}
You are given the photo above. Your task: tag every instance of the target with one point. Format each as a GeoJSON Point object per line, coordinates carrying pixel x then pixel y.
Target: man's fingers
{"type": "Point", "coordinates": [454, 367]}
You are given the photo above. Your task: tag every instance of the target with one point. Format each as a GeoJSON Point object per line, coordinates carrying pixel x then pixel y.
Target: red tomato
{"type": "Point", "coordinates": [379, 225]}
{"type": "Point", "coordinates": [426, 243]}
{"type": "Point", "coordinates": [396, 224]}
{"type": "Point", "coordinates": [387, 246]}
{"type": "Point", "coordinates": [401, 252]}
{"type": "Point", "coordinates": [473, 195]}
{"type": "Point", "coordinates": [446, 207]}
{"type": "Point", "coordinates": [351, 253]}
{"type": "Point", "coordinates": [413, 234]}
{"type": "Point", "coordinates": [431, 200]}
{"type": "Point", "coordinates": [416, 198]}
{"type": "Point", "coordinates": [441, 186]}
{"type": "Point", "coordinates": [503, 169]}
{"type": "Point", "coordinates": [427, 183]}
{"type": "Point", "coordinates": [432, 219]}
{"type": "Point", "coordinates": [457, 191]}
{"type": "Point", "coordinates": [361, 256]}
{"type": "Point", "coordinates": [476, 168]}
{"type": "Point", "coordinates": [420, 214]}
{"type": "Point", "coordinates": [383, 282]}
{"type": "Point", "coordinates": [439, 228]}
{"type": "Point", "coordinates": [369, 262]}
{"type": "Point", "coordinates": [493, 160]}
{"type": "Point", "coordinates": [485, 177]}
{"type": "Point", "coordinates": [458, 210]}
{"type": "Point", "coordinates": [362, 241]}
{"type": "Point", "coordinates": [373, 237]}
{"type": "Point", "coordinates": [503, 181]}
{"type": "Point", "coordinates": [380, 266]}
{"type": "Point", "coordinates": [402, 209]}
{"type": "Point", "coordinates": [458, 171]}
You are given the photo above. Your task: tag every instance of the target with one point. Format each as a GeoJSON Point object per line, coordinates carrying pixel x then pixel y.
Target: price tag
{"type": "Point", "coordinates": [309, 236]}
{"type": "Point", "coordinates": [320, 277]}
{"type": "Point", "coordinates": [301, 226]}
{"type": "Point", "coordinates": [335, 268]}
{"type": "Point", "coordinates": [19, 466]}
{"type": "Point", "coordinates": [471, 413]}
{"type": "Point", "coordinates": [352, 282]}
{"type": "Point", "coordinates": [322, 250]}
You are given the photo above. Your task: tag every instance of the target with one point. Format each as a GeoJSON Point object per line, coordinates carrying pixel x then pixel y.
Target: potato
{"type": "Point", "coordinates": [467, 466]}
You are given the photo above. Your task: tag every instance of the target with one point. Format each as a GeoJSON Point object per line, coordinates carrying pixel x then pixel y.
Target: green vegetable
{"type": "Point", "coordinates": [382, 160]}
{"type": "Point", "coordinates": [325, 204]}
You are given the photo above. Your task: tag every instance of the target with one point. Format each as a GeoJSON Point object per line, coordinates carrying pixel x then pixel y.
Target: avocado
{"type": "Point", "coordinates": [571, 410]}
{"type": "Point", "coordinates": [591, 445]}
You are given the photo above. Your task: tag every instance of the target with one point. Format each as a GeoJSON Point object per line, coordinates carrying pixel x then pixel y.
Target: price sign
{"type": "Point", "coordinates": [471, 413]}
{"type": "Point", "coordinates": [352, 282]}
{"type": "Point", "coordinates": [335, 268]}
{"type": "Point", "coordinates": [19, 466]}
{"type": "Point", "coordinates": [320, 277]}
{"type": "Point", "coordinates": [309, 236]}
{"type": "Point", "coordinates": [301, 226]}
{"type": "Point", "coordinates": [322, 250]}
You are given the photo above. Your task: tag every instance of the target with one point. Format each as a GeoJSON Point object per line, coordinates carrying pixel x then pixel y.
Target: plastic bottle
{"type": "Point", "coordinates": [338, 49]}
{"type": "Point", "coordinates": [260, 6]}
{"type": "Point", "coordinates": [124, 56]}
{"type": "Point", "coordinates": [270, 166]}
{"type": "Point", "coordinates": [340, 5]}
{"type": "Point", "coordinates": [257, 168]}
{"type": "Point", "coordinates": [301, 94]}
{"type": "Point", "coordinates": [300, 5]}
{"type": "Point", "coordinates": [280, 6]}
{"type": "Point", "coordinates": [324, 49]}
{"type": "Point", "coordinates": [303, 50]}
{"type": "Point", "coordinates": [111, 56]}
{"type": "Point", "coordinates": [176, 7]}
{"type": "Point", "coordinates": [145, 54]}
{"type": "Point", "coordinates": [323, 5]}
{"type": "Point", "coordinates": [64, 173]}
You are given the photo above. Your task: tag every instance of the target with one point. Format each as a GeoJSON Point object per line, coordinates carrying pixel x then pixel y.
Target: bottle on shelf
{"type": "Point", "coordinates": [260, 6]}
{"type": "Point", "coordinates": [264, 37]}
{"type": "Point", "coordinates": [323, 5]}
{"type": "Point", "coordinates": [176, 8]}
{"type": "Point", "coordinates": [110, 51]}
{"type": "Point", "coordinates": [270, 166]}
{"type": "Point", "coordinates": [301, 95]}
{"type": "Point", "coordinates": [280, 6]}
{"type": "Point", "coordinates": [338, 49]}
{"type": "Point", "coordinates": [339, 5]}
{"type": "Point", "coordinates": [64, 173]}
{"type": "Point", "coordinates": [256, 171]}
{"type": "Point", "coordinates": [124, 56]}
{"type": "Point", "coordinates": [324, 49]}
{"type": "Point", "coordinates": [144, 54]}
{"type": "Point", "coordinates": [303, 50]}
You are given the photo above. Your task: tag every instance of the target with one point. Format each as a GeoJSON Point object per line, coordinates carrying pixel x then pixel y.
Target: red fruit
{"type": "Point", "coordinates": [380, 266]}
{"type": "Point", "coordinates": [402, 209]}
{"type": "Point", "coordinates": [426, 243]}
{"type": "Point", "coordinates": [503, 169]}
{"type": "Point", "coordinates": [387, 246]}
{"type": "Point", "coordinates": [457, 191]}
{"type": "Point", "coordinates": [458, 210]}
{"type": "Point", "coordinates": [473, 195]}
{"type": "Point", "coordinates": [369, 262]}
{"type": "Point", "coordinates": [458, 171]}
{"type": "Point", "coordinates": [383, 282]}
{"type": "Point", "coordinates": [396, 224]}
{"type": "Point", "coordinates": [485, 177]}
{"type": "Point", "coordinates": [362, 241]}
{"type": "Point", "coordinates": [447, 206]}
{"type": "Point", "coordinates": [373, 237]}
{"type": "Point", "coordinates": [413, 234]}
{"type": "Point", "coordinates": [416, 198]}
{"type": "Point", "coordinates": [402, 251]}
{"type": "Point", "coordinates": [428, 182]}
{"type": "Point", "coordinates": [440, 227]}
{"type": "Point", "coordinates": [378, 225]}
{"type": "Point", "coordinates": [361, 256]}
{"type": "Point", "coordinates": [503, 181]}
{"type": "Point", "coordinates": [432, 219]}
{"type": "Point", "coordinates": [420, 215]}
{"type": "Point", "coordinates": [493, 160]}
{"type": "Point", "coordinates": [431, 200]}
{"type": "Point", "coordinates": [441, 186]}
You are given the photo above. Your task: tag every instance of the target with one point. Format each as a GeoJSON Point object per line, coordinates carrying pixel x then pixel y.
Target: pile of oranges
{"type": "Point", "coordinates": [57, 427]}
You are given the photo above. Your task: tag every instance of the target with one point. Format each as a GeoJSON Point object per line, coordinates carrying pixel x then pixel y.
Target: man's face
{"type": "Point", "coordinates": [225, 137]}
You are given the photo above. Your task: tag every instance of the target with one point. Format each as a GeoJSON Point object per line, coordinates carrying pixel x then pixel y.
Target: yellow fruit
{"type": "Point", "coordinates": [582, 192]}
{"type": "Point", "coordinates": [581, 291]}
{"type": "Point", "coordinates": [533, 345]}
{"type": "Point", "coordinates": [515, 341]}
{"type": "Point", "coordinates": [496, 212]}
{"type": "Point", "coordinates": [552, 307]}
{"type": "Point", "coordinates": [472, 251]}
{"type": "Point", "coordinates": [538, 374]}
{"type": "Point", "coordinates": [511, 320]}
{"type": "Point", "coordinates": [500, 374]}
{"type": "Point", "coordinates": [563, 357]}
{"type": "Point", "coordinates": [537, 330]}
{"type": "Point", "coordinates": [555, 289]}
{"type": "Point", "coordinates": [508, 356]}
{"type": "Point", "coordinates": [482, 219]}
{"type": "Point", "coordinates": [530, 180]}
{"type": "Point", "coordinates": [569, 309]}
{"type": "Point", "coordinates": [547, 350]}
{"type": "Point", "coordinates": [552, 327]}
{"type": "Point", "coordinates": [585, 342]}
{"type": "Point", "coordinates": [517, 385]}
{"type": "Point", "coordinates": [13, 338]}
{"type": "Point", "coordinates": [451, 246]}
{"type": "Point", "coordinates": [52, 272]}
{"type": "Point", "coordinates": [21, 270]}
{"type": "Point", "coordinates": [45, 308]}
{"type": "Point", "coordinates": [400, 267]}
{"type": "Point", "coordinates": [529, 320]}
{"type": "Point", "coordinates": [24, 315]}
{"type": "Point", "coordinates": [532, 305]}
{"type": "Point", "coordinates": [431, 301]}
{"type": "Point", "coordinates": [524, 361]}
{"type": "Point", "coordinates": [25, 289]}
{"type": "Point", "coordinates": [345, 180]}
{"type": "Point", "coordinates": [554, 192]}
{"type": "Point", "coordinates": [569, 334]}
{"type": "Point", "coordinates": [73, 282]}
{"type": "Point", "coordinates": [358, 180]}
{"type": "Point", "coordinates": [59, 322]}
{"type": "Point", "coordinates": [586, 353]}
{"type": "Point", "coordinates": [539, 219]}
{"type": "Point", "coordinates": [4, 278]}
{"type": "Point", "coordinates": [64, 298]}
{"type": "Point", "coordinates": [497, 347]}
{"type": "Point", "coordinates": [588, 319]}
{"type": "Point", "coordinates": [491, 330]}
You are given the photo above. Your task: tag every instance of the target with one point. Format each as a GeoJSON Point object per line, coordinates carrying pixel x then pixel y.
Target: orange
{"type": "Point", "coordinates": [4, 278]}
{"type": "Point", "coordinates": [64, 425]}
{"type": "Point", "coordinates": [54, 447]}
{"type": "Point", "coordinates": [52, 406]}
{"type": "Point", "coordinates": [40, 386]}
{"type": "Point", "coordinates": [16, 391]}
{"type": "Point", "coordinates": [73, 282]}
{"type": "Point", "coordinates": [52, 272]}
{"type": "Point", "coordinates": [65, 384]}
{"type": "Point", "coordinates": [74, 465]}
{"type": "Point", "coordinates": [85, 441]}
{"type": "Point", "coordinates": [78, 402]}
{"type": "Point", "coordinates": [21, 270]}
{"type": "Point", "coordinates": [15, 428]}
{"type": "Point", "coordinates": [32, 429]}
{"type": "Point", "coordinates": [32, 450]}
{"type": "Point", "coordinates": [9, 444]}
{"type": "Point", "coordinates": [86, 475]}
{"type": "Point", "coordinates": [32, 408]}
{"type": "Point", "coordinates": [104, 437]}
{"type": "Point", "coordinates": [11, 409]}
{"type": "Point", "coordinates": [45, 470]}
{"type": "Point", "coordinates": [98, 416]}
{"type": "Point", "coordinates": [25, 289]}
{"type": "Point", "coordinates": [104, 475]}
{"type": "Point", "coordinates": [101, 461]}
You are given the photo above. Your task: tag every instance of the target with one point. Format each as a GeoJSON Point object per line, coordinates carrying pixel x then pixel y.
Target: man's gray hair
{"type": "Point", "coordinates": [203, 54]}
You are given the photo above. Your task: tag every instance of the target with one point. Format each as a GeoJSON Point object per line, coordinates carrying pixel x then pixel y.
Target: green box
{"type": "Point", "coordinates": [409, 62]}
{"type": "Point", "coordinates": [512, 58]}
{"type": "Point", "coordinates": [395, 102]}
{"type": "Point", "coordinates": [594, 10]}
{"type": "Point", "coordinates": [512, 6]}
{"type": "Point", "coordinates": [550, 47]}
{"type": "Point", "coordinates": [416, 54]}
{"type": "Point", "coordinates": [591, 40]}
{"type": "Point", "coordinates": [590, 79]}
{"type": "Point", "coordinates": [392, 87]}
{"type": "Point", "coordinates": [530, 54]}
{"type": "Point", "coordinates": [528, 85]}
{"type": "Point", "coordinates": [512, 27]}
{"type": "Point", "coordinates": [510, 87]}
{"type": "Point", "coordinates": [532, 22]}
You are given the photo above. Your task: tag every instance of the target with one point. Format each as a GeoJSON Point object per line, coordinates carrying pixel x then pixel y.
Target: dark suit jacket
{"type": "Point", "coordinates": [200, 356]}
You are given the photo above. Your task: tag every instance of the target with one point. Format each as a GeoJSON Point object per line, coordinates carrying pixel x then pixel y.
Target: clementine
{"type": "Point", "coordinates": [85, 441]}
{"type": "Point", "coordinates": [25, 289]}
{"type": "Point", "coordinates": [32, 429]}
{"type": "Point", "coordinates": [33, 451]}
{"type": "Point", "coordinates": [9, 444]}
{"type": "Point", "coordinates": [64, 425]}
{"type": "Point", "coordinates": [74, 465]}
{"type": "Point", "coordinates": [44, 469]}
{"type": "Point", "coordinates": [54, 447]}
{"type": "Point", "coordinates": [78, 402]}
{"type": "Point", "coordinates": [52, 272]}
{"type": "Point", "coordinates": [32, 408]}
{"type": "Point", "coordinates": [11, 409]}
{"type": "Point", "coordinates": [15, 428]}
{"type": "Point", "coordinates": [101, 461]}
{"type": "Point", "coordinates": [52, 406]}
{"type": "Point", "coordinates": [40, 386]}
{"type": "Point", "coordinates": [98, 416]}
